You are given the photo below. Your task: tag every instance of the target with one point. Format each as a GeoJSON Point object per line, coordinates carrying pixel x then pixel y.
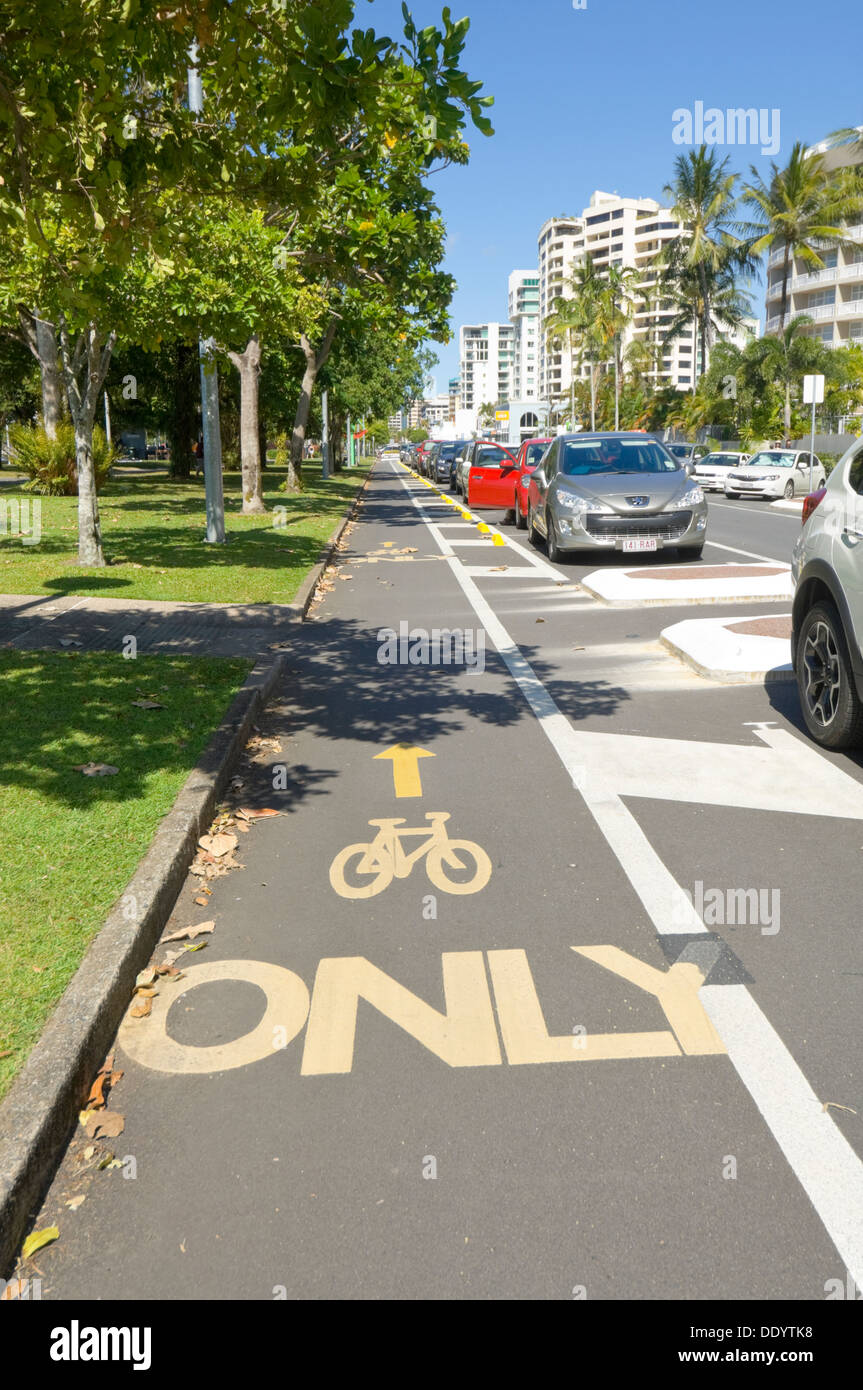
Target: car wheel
{"type": "Point", "coordinates": [691, 552]}
{"type": "Point", "coordinates": [732, 494]}
{"type": "Point", "coordinates": [532, 534]}
{"type": "Point", "coordinates": [552, 548]}
{"type": "Point", "coordinates": [509, 518]}
{"type": "Point", "coordinates": [789, 490]}
{"type": "Point", "coordinates": [520, 521]}
{"type": "Point", "coordinates": [832, 709]}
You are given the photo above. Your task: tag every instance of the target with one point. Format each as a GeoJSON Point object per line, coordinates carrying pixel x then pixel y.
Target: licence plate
{"type": "Point", "coordinates": [640, 543]}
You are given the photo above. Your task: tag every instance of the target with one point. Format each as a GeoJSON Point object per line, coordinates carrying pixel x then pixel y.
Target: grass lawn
{"type": "Point", "coordinates": [70, 843]}
{"type": "Point", "coordinates": [153, 528]}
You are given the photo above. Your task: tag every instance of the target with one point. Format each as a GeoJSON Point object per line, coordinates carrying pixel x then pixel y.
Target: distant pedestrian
{"type": "Point", "coordinates": [199, 456]}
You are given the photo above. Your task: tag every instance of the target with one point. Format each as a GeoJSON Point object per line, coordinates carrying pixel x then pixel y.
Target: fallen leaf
{"type": "Point", "coordinates": [142, 1010]}
{"type": "Point", "coordinates": [251, 814]}
{"type": "Point", "coordinates": [148, 704]}
{"type": "Point", "coordinates": [187, 933]}
{"type": "Point", "coordinates": [89, 1151]}
{"type": "Point", "coordinates": [540, 620]}
{"type": "Point", "coordinates": [37, 1239]}
{"type": "Point", "coordinates": [95, 769]}
{"type": "Point", "coordinates": [200, 946]}
{"type": "Point", "coordinates": [148, 993]}
{"type": "Point", "coordinates": [105, 1124]}
{"type": "Point", "coordinates": [169, 960]}
{"type": "Point", "coordinates": [96, 1098]}
{"type": "Point", "coordinates": [146, 977]}
{"type": "Point", "coordinates": [75, 1202]}
{"type": "Point", "coordinates": [105, 1161]}
{"type": "Point", "coordinates": [201, 902]}
{"type": "Point", "coordinates": [217, 845]}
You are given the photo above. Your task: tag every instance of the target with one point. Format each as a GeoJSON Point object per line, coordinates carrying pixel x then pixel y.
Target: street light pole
{"type": "Point", "coordinates": [211, 425]}
{"type": "Point", "coordinates": [325, 434]}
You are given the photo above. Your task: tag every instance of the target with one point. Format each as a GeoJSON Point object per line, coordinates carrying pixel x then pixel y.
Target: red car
{"type": "Point", "coordinates": [489, 473]}
{"type": "Point", "coordinates": [529, 456]}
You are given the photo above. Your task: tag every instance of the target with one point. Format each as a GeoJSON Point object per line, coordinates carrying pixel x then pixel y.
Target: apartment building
{"type": "Point", "coordinates": [523, 313]}
{"type": "Point", "coordinates": [486, 359]}
{"type": "Point", "coordinates": [832, 297]}
{"type": "Point", "coordinates": [615, 231]}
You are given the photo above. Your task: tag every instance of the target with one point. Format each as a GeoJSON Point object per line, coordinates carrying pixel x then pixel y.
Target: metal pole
{"type": "Point", "coordinates": [325, 434]}
{"type": "Point", "coordinates": [107, 419]}
{"type": "Point", "coordinates": [350, 443]}
{"type": "Point", "coordinates": [215, 502]}
{"type": "Point", "coordinates": [812, 451]}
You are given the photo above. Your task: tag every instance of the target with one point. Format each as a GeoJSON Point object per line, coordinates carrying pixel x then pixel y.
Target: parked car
{"type": "Point", "coordinates": [447, 456]}
{"type": "Point", "coordinates": [488, 475]}
{"type": "Point", "coordinates": [827, 613]}
{"type": "Point", "coordinates": [711, 471]}
{"type": "Point", "coordinates": [775, 473]}
{"type": "Point", "coordinates": [528, 458]}
{"type": "Point", "coordinates": [614, 491]}
{"type": "Point", "coordinates": [688, 454]}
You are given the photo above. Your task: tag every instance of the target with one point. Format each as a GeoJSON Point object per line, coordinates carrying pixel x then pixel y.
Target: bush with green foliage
{"type": "Point", "coordinates": [50, 463]}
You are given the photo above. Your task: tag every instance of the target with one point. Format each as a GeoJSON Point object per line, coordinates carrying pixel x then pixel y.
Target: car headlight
{"type": "Point", "coordinates": [574, 504]}
{"type": "Point", "coordinates": [773, 477]}
{"type": "Point", "coordinates": [690, 498]}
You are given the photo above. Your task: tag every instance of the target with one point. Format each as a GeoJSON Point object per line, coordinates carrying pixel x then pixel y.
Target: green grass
{"type": "Point", "coordinates": [153, 530]}
{"type": "Point", "coordinates": [70, 843]}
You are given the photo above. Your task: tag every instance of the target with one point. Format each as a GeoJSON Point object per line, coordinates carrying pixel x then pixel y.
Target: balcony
{"type": "Point", "coordinates": [849, 309]}
{"type": "Point", "coordinates": [826, 276]}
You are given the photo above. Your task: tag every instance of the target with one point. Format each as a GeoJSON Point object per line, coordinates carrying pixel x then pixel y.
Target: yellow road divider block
{"type": "Point", "coordinates": [483, 528]}
{"type": "Point", "coordinates": [498, 540]}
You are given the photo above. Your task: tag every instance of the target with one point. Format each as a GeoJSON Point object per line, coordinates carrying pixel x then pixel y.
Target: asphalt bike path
{"type": "Point", "coordinates": [479, 1060]}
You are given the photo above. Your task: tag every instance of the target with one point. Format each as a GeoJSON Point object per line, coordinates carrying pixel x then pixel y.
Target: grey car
{"type": "Point", "coordinates": [827, 615]}
{"type": "Point", "coordinates": [614, 492]}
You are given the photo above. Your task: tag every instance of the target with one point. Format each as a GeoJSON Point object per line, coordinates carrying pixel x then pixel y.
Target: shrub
{"type": "Point", "coordinates": [50, 463]}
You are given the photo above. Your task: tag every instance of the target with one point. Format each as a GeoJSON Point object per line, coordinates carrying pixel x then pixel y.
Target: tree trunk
{"type": "Point", "coordinates": [248, 364]}
{"type": "Point", "coordinates": [184, 411]}
{"type": "Point", "coordinates": [786, 273]}
{"type": "Point", "coordinates": [85, 370]}
{"type": "Point", "coordinates": [592, 399]}
{"type": "Point", "coordinates": [787, 412]}
{"type": "Point", "coordinates": [315, 360]}
{"type": "Point", "coordinates": [40, 337]}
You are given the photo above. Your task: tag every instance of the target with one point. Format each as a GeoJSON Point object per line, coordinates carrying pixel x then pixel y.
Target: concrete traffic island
{"type": "Point", "coordinates": [698, 583]}
{"type": "Point", "coordinates": [735, 651]}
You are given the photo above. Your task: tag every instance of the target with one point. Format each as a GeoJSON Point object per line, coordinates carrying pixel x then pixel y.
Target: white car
{"type": "Point", "coordinates": [775, 473]}
{"type": "Point", "coordinates": [712, 471]}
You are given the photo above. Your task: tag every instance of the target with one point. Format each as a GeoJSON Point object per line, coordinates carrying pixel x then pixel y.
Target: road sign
{"type": "Point", "coordinates": [501, 415]}
{"type": "Point", "coordinates": [813, 390]}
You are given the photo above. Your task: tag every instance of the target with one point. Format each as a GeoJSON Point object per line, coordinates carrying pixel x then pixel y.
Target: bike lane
{"type": "Point", "coordinates": [435, 1095]}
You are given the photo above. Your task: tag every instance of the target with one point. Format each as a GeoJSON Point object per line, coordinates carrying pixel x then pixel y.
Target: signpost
{"type": "Point", "coordinates": [813, 391]}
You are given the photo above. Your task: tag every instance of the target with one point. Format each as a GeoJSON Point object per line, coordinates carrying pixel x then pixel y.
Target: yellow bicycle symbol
{"type": "Point", "coordinates": [385, 858]}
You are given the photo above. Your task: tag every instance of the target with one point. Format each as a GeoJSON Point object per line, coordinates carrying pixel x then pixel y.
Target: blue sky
{"type": "Point", "coordinates": [584, 100]}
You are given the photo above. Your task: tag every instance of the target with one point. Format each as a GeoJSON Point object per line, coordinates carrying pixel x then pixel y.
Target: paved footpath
{"type": "Point", "coordinates": [103, 624]}
{"type": "Point", "coordinates": [520, 1067]}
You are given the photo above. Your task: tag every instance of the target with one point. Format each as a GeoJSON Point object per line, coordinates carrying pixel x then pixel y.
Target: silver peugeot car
{"type": "Point", "coordinates": [614, 492]}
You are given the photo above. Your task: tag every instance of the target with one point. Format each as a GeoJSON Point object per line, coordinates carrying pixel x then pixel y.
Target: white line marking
{"type": "Point", "coordinates": [820, 1156]}
{"type": "Point", "coordinates": [756, 511]}
{"type": "Point", "coordinates": [771, 560]}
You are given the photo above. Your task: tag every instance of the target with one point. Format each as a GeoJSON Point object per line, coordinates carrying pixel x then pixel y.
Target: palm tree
{"type": "Point", "coordinates": [616, 301]}
{"type": "Point", "coordinates": [702, 199]}
{"type": "Point", "coordinates": [801, 210]}
{"type": "Point", "coordinates": [576, 317]}
{"type": "Point", "coordinates": [788, 356]}
{"type": "Point", "coordinates": [706, 316]}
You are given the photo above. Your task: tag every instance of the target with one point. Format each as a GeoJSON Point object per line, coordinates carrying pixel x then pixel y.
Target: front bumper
{"type": "Point", "coordinates": [606, 531]}
{"type": "Point", "coordinates": [751, 487]}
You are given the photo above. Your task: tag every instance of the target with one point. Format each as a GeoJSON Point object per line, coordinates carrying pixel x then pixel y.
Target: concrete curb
{"type": "Point", "coordinates": [42, 1107]}
{"type": "Point", "coordinates": [306, 591]}
{"type": "Point", "coordinates": [730, 658]}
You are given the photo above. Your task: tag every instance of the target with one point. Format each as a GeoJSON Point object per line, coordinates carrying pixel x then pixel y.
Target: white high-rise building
{"type": "Point", "coordinates": [523, 310]}
{"type": "Point", "coordinates": [832, 297]}
{"type": "Point", "coordinates": [615, 231]}
{"type": "Point", "coordinates": [486, 356]}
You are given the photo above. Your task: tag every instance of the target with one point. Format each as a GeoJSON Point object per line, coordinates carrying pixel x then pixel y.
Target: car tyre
{"type": "Point", "coordinates": [789, 490]}
{"type": "Point", "coordinates": [532, 534]}
{"type": "Point", "coordinates": [832, 709]}
{"type": "Point", "coordinates": [732, 494]}
{"type": "Point", "coordinates": [520, 521]}
{"type": "Point", "coordinates": [552, 548]}
{"type": "Point", "coordinates": [691, 552]}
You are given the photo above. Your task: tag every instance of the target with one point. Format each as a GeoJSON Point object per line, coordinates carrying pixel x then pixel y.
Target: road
{"type": "Point", "coordinates": [530, 1071]}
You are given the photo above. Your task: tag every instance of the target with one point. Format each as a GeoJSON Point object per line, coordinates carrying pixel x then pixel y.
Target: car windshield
{"type": "Point", "coordinates": [533, 453]}
{"type": "Point", "coordinates": [721, 460]}
{"type": "Point", "coordinates": [773, 458]}
{"type": "Point", "coordinates": [680, 451]}
{"type": "Point", "coordinates": [616, 456]}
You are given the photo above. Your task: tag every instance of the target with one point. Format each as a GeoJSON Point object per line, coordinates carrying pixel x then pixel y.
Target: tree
{"type": "Point", "coordinates": [576, 316]}
{"type": "Point", "coordinates": [616, 301]}
{"type": "Point", "coordinates": [800, 210]}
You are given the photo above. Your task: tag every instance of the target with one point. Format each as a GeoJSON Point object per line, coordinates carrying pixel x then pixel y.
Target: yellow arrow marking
{"type": "Point", "coordinates": [406, 773]}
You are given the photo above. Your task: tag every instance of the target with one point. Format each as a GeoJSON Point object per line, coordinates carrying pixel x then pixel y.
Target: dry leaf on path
{"type": "Point", "coordinates": [218, 845]}
{"type": "Point", "coordinates": [142, 1010]}
{"type": "Point", "coordinates": [187, 933]}
{"type": "Point", "coordinates": [37, 1239]}
{"type": "Point", "coordinates": [144, 978]}
{"type": "Point", "coordinates": [148, 704]}
{"type": "Point", "coordinates": [105, 1124]}
{"type": "Point", "coordinates": [249, 813]}
{"type": "Point", "coordinates": [75, 1202]}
